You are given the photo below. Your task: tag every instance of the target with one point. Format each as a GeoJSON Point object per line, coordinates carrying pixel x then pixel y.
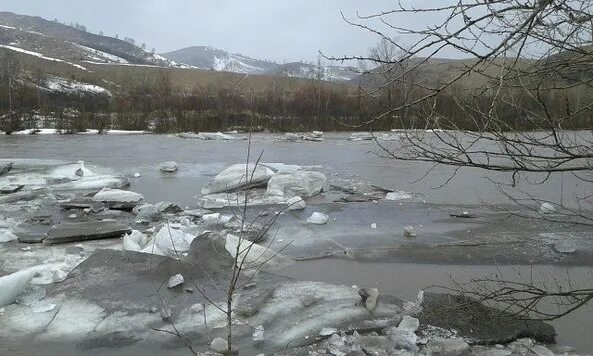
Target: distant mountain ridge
{"type": "Point", "coordinates": [54, 40]}
{"type": "Point", "coordinates": [58, 42]}
{"type": "Point", "coordinates": [210, 58]}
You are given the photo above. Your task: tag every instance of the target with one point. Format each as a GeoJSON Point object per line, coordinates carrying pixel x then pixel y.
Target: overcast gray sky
{"type": "Point", "coordinates": [279, 30]}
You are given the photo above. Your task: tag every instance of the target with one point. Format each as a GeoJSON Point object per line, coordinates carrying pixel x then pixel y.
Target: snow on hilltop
{"type": "Point", "coordinates": [55, 41]}
{"type": "Point", "coordinates": [209, 58]}
{"type": "Point", "coordinates": [73, 87]}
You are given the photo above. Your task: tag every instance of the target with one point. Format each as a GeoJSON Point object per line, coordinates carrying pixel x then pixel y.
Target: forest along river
{"type": "Point", "coordinates": [199, 161]}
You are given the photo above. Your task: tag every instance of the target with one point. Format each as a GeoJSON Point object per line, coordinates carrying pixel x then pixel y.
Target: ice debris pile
{"type": "Point", "coordinates": [315, 136]}
{"type": "Point", "coordinates": [210, 136]}
{"type": "Point", "coordinates": [264, 183]}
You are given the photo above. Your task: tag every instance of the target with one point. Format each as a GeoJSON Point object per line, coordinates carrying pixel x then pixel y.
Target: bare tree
{"type": "Point", "coordinates": [10, 69]}
{"type": "Point", "coordinates": [510, 106]}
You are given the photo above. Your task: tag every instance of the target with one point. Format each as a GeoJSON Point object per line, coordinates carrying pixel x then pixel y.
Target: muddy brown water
{"type": "Point", "coordinates": [200, 160]}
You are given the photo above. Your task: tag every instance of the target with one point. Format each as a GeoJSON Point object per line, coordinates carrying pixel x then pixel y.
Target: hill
{"type": "Point", "coordinates": [215, 59]}
{"type": "Point", "coordinates": [50, 39]}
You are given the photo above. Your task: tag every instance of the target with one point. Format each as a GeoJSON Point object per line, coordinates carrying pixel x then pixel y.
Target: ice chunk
{"type": "Point", "coordinates": [565, 247]}
{"type": "Point", "coordinates": [409, 323]}
{"type": "Point", "coordinates": [409, 231]}
{"type": "Point", "coordinates": [7, 236]}
{"type": "Point", "coordinates": [403, 339]}
{"type": "Point", "coordinates": [318, 218]}
{"type": "Point", "coordinates": [258, 334]}
{"type": "Point", "coordinates": [12, 285]}
{"type": "Point", "coordinates": [169, 166]}
{"type": "Point", "coordinates": [541, 350]}
{"type": "Point", "coordinates": [43, 307]}
{"type": "Point", "coordinates": [175, 280]}
{"type": "Point", "coordinates": [443, 346]}
{"type": "Point", "coordinates": [361, 136]}
{"type": "Point", "coordinates": [211, 219]}
{"type": "Point", "coordinates": [154, 212]}
{"type": "Point", "coordinates": [119, 199]}
{"type": "Point", "coordinates": [304, 184]}
{"type": "Point", "coordinates": [327, 331]}
{"type": "Point", "coordinates": [172, 241]}
{"type": "Point", "coordinates": [250, 253]}
{"type": "Point", "coordinates": [238, 176]}
{"type": "Point", "coordinates": [135, 241]}
{"type": "Point", "coordinates": [296, 203]}
{"type": "Point", "coordinates": [547, 208]}
{"type": "Point", "coordinates": [397, 195]}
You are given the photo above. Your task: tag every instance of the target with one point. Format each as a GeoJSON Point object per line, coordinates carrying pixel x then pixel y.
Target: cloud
{"type": "Point", "coordinates": [267, 29]}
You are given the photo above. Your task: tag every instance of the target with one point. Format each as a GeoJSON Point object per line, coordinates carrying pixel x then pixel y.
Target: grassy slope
{"type": "Point", "coordinates": [125, 76]}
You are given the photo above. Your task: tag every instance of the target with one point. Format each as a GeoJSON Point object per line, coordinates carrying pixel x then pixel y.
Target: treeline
{"type": "Point", "coordinates": [157, 105]}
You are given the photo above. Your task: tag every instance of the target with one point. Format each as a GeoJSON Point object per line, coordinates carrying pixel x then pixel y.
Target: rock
{"type": "Point", "coordinates": [169, 166]}
{"type": "Point", "coordinates": [397, 195]}
{"type": "Point", "coordinates": [12, 285]}
{"type": "Point", "coordinates": [82, 231]}
{"type": "Point", "coordinates": [304, 184]}
{"type": "Point", "coordinates": [235, 177]}
{"type": "Point", "coordinates": [118, 199]}
{"type": "Point", "coordinates": [369, 297]}
{"type": "Point", "coordinates": [409, 231]}
{"type": "Point", "coordinates": [79, 172]}
{"type": "Point", "coordinates": [166, 314]}
{"type": "Point", "coordinates": [565, 247]}
{"type": "Point", "coordinates": [219, 345]}
{"type": "Point", "coordinates": [447, 347]}
{"type": "Point", "coordinates": [175, 281]}
{"type": "Point", "coordinates": [296, 203]}
{"type": "Point", "coordinates": [318, 218]}
{"type": "Point", "coordinates": [11, 188]}
{"type": "Point", "coordinates": [547, 208]}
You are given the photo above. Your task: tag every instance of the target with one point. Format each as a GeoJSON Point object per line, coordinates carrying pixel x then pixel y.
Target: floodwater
{"type": "Point", "coordinates": [199, 161]}
{"type": "Point", "coordinates": [404, 280]}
